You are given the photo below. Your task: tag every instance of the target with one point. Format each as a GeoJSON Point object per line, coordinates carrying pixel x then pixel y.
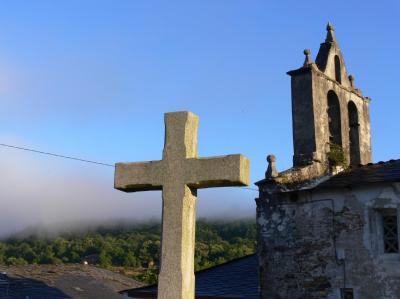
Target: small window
{"type": "Point", "coordinates": [338, 71]}
{"type": "Point", "coordinates": [390, 233]}
{"type": "Point", "coordinates": [347, 293]}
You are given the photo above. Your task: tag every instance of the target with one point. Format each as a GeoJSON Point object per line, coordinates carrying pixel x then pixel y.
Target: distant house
{"type": "Point", "coordinates": [237, 279]}
{"type": "Point", "coordinates": [91, 259]}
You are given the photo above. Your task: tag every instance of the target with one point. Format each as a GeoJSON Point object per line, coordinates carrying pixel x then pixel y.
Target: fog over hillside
{"type": "Point", "coordinates": [38, 190]}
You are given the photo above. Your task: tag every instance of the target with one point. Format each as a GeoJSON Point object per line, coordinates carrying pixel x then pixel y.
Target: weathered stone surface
{"type": "Point", "coordinates": [313, 242]}
{"type": "Point", "coordinates": [179, 174]}
{"type": "Point", "coordinates": [271, 170]}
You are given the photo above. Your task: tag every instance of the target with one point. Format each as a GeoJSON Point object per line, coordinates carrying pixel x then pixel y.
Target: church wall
{"type": "Point", "coordinates": [314, 243]}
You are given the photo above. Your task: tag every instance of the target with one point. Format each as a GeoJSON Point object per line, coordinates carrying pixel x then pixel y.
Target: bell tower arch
{"type": "Point", "coordinates": [334, 119]}
{"type": "Point", "coordinates": [354, 134]}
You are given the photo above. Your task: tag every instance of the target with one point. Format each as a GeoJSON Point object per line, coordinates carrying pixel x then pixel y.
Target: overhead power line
{"type": "Point", "coordinates": [54, 155]}
{"type": "Point", "coordinates": [248, 188]}
{"type": "Point", "coordinates": [73, 158]}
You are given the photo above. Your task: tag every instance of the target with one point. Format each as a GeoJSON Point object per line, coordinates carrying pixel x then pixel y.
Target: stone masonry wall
{"type": "Point", "coordinates": [313, 243]}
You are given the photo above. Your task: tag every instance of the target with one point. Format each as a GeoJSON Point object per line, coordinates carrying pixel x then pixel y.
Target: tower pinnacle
{"type": "Point", "coordinates": [307, 60]}
{"type": "Point", "coordinates": [330, 36]}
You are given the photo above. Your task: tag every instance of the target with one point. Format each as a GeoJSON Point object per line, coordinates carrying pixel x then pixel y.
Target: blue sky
{"type": "Point", "coordinates": [93, 78]}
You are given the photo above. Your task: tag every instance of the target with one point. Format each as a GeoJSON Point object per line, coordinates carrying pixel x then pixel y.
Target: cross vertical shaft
{"type": "Point", "coordinates": [176, 278]}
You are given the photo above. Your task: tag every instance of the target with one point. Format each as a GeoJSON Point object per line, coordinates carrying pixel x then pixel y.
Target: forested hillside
{"type": "Point", "coordinates": [130, 249]}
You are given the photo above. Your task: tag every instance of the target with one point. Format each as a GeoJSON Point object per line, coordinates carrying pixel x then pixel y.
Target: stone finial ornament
{"type": "Point", "coordinates": [352, 79]}
{"type": "Point", "coordinates": [308, 60]}
{"type": "Point", "coordinates": [271, 170]}
{"type": "Point", "coordinates": [330, 36]}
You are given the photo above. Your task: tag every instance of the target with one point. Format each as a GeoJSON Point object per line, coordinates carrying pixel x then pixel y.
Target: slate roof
{"type": "Point", "coordinates": [232, 280]}
{"type": "Point", "coordinates": [380, 172]}
{"type": "Point", "coordinates": [61, 282]}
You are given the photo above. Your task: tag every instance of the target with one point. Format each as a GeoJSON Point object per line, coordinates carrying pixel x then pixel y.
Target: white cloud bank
{"type": "Point", "coordinates": [42, 190]}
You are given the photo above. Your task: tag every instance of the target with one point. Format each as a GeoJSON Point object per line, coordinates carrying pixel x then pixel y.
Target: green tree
{"type": "Point", "coordinates": [136, 247]}
{"type": "Point", "coordinates": [16, 261]}
{"type": "Point", "coordinates": [104, 259]}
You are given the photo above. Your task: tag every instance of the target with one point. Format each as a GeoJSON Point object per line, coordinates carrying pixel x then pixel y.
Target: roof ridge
{"type": "Point", "coordinates": [380, 172]}
{"type": "Point", "coordinates": [199, 271]}
{"type": "Point", "coordinates": [228, 262]}
{"type": "Point", "coordinates": [374, 164]}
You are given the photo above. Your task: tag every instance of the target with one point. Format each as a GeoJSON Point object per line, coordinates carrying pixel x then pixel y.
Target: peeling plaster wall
{"type": "Point", "coordinates": [313, 243]}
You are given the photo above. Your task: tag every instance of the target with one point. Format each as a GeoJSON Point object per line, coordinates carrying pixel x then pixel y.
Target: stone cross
{"type": "Point", "coordinates": [179, 174]}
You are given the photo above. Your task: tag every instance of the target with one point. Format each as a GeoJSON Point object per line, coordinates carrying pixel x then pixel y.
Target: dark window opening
{"type": "Point", "coordinates": [347, 293]}
{"type": "Point", "coordinates": [294, 197]}
{"type": "Point", "coordinates": [338, 73]}
{"type": "Point", "coordinates": [334, 119]}
{"type": "Point", "coordinates": [354, 137]}
{"type": "Point", "coordinates": [390, 233]}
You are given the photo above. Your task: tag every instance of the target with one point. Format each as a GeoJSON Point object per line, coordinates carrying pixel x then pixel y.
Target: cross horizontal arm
{"type": "Point", "coordinates": [140, 176]}
{"type": "Point", "coordinates": [222, 171]}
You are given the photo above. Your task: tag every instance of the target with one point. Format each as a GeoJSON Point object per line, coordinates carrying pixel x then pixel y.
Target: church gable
{"type": "Point", "coordinates": [330, 60]}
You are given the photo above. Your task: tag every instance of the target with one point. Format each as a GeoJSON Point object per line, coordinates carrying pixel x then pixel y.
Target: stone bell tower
{"type": "Point", "coordinates": [306, 228]}
{"type": "Point", "coordinates": [330, 115]}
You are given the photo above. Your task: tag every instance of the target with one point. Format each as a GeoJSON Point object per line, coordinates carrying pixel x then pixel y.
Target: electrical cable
{"type": "Point", "coordinates": [54, 155]}
{"type": "Point", "coordinates": [73, 158]}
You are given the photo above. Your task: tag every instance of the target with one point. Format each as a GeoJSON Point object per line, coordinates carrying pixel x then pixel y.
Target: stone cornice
{"type": "Point", "coordinates": [314, 68]}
